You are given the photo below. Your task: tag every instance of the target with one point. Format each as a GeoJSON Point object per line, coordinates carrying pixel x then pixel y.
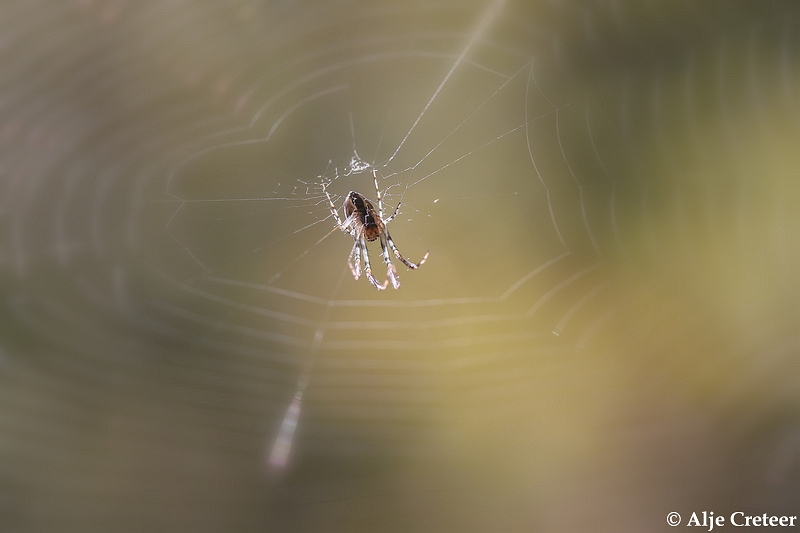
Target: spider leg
{"type": "Point", "coordinates": [348, 226]}
{"type": "Point", "coordinates": [354, 260]}
{"type": "Point", "coordinates": [391, 271]}
{"type": "Point", "coordinates": [339, 223]}
{"type": "Point", "coordinates": [380, 200]}
{"type": "Point", "coordinates": [368, 268]}
{"type": "Point", "coordinates": [378, 193]}
{"type": "Point", "coordinates": [405, 261]}
{"type": "Point", "coordinates": [396, 210]}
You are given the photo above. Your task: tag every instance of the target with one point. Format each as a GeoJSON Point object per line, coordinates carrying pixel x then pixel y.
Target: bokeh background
{"type": "Point", "coordinates": [606, 329]}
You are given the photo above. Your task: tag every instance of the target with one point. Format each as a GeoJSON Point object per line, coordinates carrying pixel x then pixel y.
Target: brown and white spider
{"type": "Point", "coordinates": [364, 223]}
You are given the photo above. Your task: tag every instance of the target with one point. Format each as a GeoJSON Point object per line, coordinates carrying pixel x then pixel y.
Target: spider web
{"type": "Point", "coordinates": [439, 122]}
{"type": "Point", "coordinates": [177, 274]}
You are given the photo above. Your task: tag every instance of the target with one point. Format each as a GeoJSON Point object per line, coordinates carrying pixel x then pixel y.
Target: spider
{"type": "Point", "coordinates": [364, 224]}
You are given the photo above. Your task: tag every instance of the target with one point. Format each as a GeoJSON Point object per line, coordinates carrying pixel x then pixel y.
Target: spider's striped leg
{"type": "Point", "coordinates": [333, 208]}
{"type": "Point", "coordinates": [354, 260]}
{"type": "Point", "coordinates": [368, 268]}
{"type": "Point", "coordinates": [347, 227]}
{"type": "Point", "coordinates": [396, 210]}
{"type": "Point", "coordinates": [377, 192]}
{"type": "Point", "coordinates": [405, 261]}
{"type": "Point", "coordinates": [391, 271]}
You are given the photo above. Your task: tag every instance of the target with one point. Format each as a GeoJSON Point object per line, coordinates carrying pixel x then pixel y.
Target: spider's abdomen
{"type": "Point", "coordinates": [365, 214]}
{"type": "Point", "coordinates": [372, 232]}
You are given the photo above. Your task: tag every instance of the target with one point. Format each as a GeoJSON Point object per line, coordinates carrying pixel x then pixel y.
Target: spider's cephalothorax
{"type": "Point", "coordinates": [364, 223]}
